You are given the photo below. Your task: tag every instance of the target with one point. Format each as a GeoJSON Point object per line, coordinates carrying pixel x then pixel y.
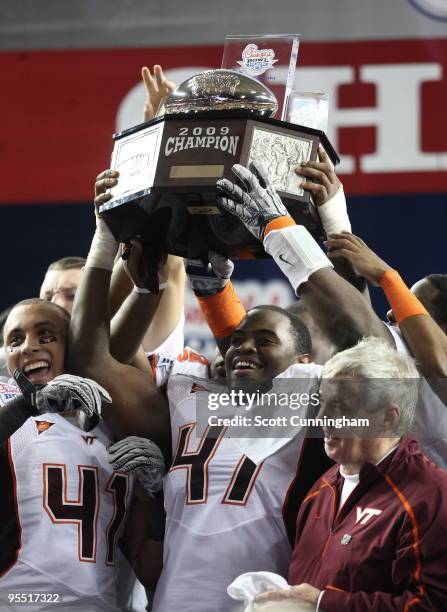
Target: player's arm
{"type": "Point", "coordinates": [129, 325]}
{"type": "Point", "coordinates": [427, 341]}
{"type": "Point", "coordinates": [141, 317]}
{"type": "Point", "coordinates": [141, 542]}
{"type": "Point", "coordinates": [217, 298]}
{"type": "Point", "coordinates": [131, 321]}
{"type": "Point", "coordinates": [220, 304]}
{"type": "Point", "coordinates": [143, 553]}
{"type": "Point", "coordinates": [329, 198]}
{"type": "Point", "coordinates": [338, 308]}
{"type": "Point", "coordinates": [138, 406]}
{"type": "Point", "coordinates": [170, 308]}
{"type": "Point", "coordinates": [147, 319]}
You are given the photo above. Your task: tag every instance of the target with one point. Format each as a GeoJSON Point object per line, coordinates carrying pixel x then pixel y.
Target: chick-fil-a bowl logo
{"type": "Point", "coordinates": [256, 61]}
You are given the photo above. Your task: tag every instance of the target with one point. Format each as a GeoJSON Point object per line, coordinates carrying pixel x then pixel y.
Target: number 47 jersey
{"type": "Point", "coordinates": [224, 512]}
{"type": "Point", "coordinates": [62, 511]}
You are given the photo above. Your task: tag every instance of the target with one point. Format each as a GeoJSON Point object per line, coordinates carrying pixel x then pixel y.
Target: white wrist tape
{"type": "Point", "coordinates": [334, 214]}
{"type": "Point", "coordinates": [103, 248]}
{"type": "Point", "coordinates": [161, 286]}
{"type": "Point", "coordinates": [296, 253]}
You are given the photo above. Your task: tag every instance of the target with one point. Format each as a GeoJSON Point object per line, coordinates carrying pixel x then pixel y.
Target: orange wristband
{"type": "Point", "coordinates": [278, 223]}
{"type": "Point", "coordinates": [223, 311]}
{"type": "Point", "coordinates": [403, 303]}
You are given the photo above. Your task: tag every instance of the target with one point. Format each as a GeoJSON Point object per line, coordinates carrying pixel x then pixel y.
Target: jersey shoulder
{"type": "Point", "coordinates": [189, 362]}
{"type": "Point", "coordinates": [302, 370]}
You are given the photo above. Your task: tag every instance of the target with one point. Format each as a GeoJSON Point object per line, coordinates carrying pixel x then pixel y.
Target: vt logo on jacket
{"type": "Point", "coordinates": [364, 515]}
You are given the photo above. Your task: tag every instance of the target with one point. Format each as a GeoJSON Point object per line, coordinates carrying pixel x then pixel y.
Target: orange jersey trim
{"type": "Point", "coordinates": [411, 603]}
{"type": "Point", "coordinates": [415, 529]}
{"type": "Point", "coordinates": [334, 588]}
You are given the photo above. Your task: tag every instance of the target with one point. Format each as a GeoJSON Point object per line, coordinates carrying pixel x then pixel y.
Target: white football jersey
{"type": "Point", "coordinates": [65, 510]}
{"type": "Point", "coordinates": [430, 424]}
{"type": "Point", "coordinates": [224, 512]}
{"type": "Point", "coordinates": [173, 345]}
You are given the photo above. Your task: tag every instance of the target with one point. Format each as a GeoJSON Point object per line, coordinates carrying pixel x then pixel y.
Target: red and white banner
{"type": "Point", "coordinates": [60, 108]}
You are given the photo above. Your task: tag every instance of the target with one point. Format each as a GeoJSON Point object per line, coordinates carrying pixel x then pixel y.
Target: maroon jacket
{"type": "Point", "coordinates": [387, 547]}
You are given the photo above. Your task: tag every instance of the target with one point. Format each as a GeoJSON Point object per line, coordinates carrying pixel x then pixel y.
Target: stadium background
{"type": "Point", "coordinates": [70, 77]}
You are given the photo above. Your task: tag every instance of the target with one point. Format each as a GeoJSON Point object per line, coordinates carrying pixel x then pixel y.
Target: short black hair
{"type": "Point", "coordinates": [31, 301]}
{"type": "Point", "coordinates": [301, 335]}
{"type": "Point", "coordinates": [439, 282]}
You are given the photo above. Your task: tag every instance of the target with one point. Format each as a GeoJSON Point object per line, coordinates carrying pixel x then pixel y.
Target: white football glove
{"type": "Point", "coordinates": [255, 205]}
{"type": "Point", "coordinates": [65, 393]}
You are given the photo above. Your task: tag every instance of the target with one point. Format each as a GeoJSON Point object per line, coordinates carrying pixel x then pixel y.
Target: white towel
{"type": "Point", "coordinates": [247, 586]}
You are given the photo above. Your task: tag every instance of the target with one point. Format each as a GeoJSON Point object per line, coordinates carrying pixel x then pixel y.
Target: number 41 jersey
{"type": "Point", "coordinates": [224, 512]}
{"type": "Point", "coordinates": [62, 509]}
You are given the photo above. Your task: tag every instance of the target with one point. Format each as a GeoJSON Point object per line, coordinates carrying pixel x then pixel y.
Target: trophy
{"type": "Point", "coordinates": [166, 193]}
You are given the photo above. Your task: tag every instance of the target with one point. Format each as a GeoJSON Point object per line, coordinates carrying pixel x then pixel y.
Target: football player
{"type": "Point", "coordinates": [64, 507]}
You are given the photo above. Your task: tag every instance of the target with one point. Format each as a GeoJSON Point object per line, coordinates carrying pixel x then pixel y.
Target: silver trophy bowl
{"type": "Point", "coordinates": [221, 90]}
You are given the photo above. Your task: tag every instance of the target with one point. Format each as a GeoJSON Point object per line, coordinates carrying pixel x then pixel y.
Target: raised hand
{"type": "Point", "coordinates": [208, 278]}
{"type": "Point", "coordinates": [323, 183]}
{"type": "Point", "coordinates": [365, 261]}
{"type": "Point", "coordinates": [256, 204]}
{"type": "Point", "coordinates": [104, 181]}
{"type": "Point", "coordinates": [157, 88]}
{"type": "Point", "coordinates": [146, 269]}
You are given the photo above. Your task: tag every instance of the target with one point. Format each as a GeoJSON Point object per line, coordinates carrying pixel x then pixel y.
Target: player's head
{"type": "Point", "coordinates": [432, 292]}
{"type": "Point", "coordinates": [61, 281]}
{"type": "Point", "coordinates": [322, 348]}
{"type": "Point", "coordinates": [266, 342]}
{"type": "Point", "coordinates": [35, 336]}
{"type": "Point", "coordinates": [369, 381]}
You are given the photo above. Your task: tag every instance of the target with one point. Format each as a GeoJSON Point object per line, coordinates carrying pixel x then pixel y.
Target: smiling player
{"type": "Point", "coordinates": [59, 493]}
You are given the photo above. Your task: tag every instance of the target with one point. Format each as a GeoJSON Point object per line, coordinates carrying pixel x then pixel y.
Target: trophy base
{"type": "Point", "coordinates": [169, 167]}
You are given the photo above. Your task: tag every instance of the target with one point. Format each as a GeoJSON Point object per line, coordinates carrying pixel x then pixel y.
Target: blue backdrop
{"type": "Point", "coordinates": [407, 231]}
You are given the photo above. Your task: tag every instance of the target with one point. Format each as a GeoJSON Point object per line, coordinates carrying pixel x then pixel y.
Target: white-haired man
{"type": "Point", "coordinates": [372, 532]}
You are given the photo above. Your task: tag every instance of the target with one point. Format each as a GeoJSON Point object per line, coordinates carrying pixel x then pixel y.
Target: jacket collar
{"type": "Point", "coordinates": [370, 472]}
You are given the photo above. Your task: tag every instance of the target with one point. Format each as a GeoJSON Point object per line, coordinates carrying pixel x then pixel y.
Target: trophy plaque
{"type": "Point", "coordinates": [166, 191]}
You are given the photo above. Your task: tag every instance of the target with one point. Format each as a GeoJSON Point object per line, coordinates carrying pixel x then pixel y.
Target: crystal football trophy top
{"type": "Point", "coordinates": [269, 58]}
